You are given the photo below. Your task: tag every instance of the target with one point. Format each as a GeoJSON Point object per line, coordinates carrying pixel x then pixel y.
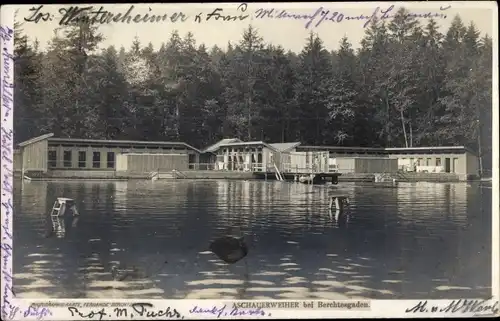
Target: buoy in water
{"type": "Point", "coordinates": [229, 249]}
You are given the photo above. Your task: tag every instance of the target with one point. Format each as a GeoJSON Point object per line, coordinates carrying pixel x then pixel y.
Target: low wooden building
{"type": "Point", "coordinates": [452, 159]}
{"type": "Point", "coordinates": [70, 157]}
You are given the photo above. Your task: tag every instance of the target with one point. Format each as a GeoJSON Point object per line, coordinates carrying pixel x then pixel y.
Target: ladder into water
{"type": "Point", "coordinates": [60, 206]}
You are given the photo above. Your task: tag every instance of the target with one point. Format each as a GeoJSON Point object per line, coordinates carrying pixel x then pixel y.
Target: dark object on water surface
{"type": "Point", "coordinates": [229, 249]}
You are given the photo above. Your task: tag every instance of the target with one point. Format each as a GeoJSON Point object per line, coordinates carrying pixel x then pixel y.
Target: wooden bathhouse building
{"type": "Point", "coordinates": [93, 158]}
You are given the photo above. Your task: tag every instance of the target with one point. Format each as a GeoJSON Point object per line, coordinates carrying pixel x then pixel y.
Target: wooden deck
{"type": "Point", "coordinates": [318, 177]}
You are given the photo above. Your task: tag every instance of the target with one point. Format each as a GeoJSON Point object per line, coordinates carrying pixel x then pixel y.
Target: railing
{"type": "Point", "coordinates": [202, 166]}
{"type": "Point", "coordinates": [153, 175]}
{"type": "Point", "coordinates": [260, 167]}
{"type": "Point", "coordinates": [179, 174]}
{"type": "Point", "coordinates": [289, 168]}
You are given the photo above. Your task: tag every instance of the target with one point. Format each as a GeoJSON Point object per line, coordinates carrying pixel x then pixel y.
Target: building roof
{"type": "Point", "coordinates": [431, 148]}
{"type": "Point", "coordinates": [285, 147]}
{"type": "Point", "coordinates": [216, 146]}
{"type": "Point", "coordinates": [35, 139]}
{"type": "Point", "coordinates": [259, 142]}
{"type": "Point", "coordinates": [345, 148]}
{"type": "Point", "coordinates": [104, 141]}
{"type": "Point", "coordinates": [389, 149]}
{"type": "Point", "coordinates": [131, 142]}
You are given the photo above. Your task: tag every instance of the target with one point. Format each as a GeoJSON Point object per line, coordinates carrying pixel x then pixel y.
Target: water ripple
{"type": "Point", "coordinates": [418, 240]}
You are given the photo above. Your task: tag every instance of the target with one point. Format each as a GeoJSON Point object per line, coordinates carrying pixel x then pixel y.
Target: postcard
{"type": "Point", "coordinates": [249, 160]}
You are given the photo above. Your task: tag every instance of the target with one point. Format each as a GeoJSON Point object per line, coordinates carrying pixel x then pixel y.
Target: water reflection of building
{"type": "Point", "coordinates": [236, 202]}
{"type": "Point", "coordinates": [441, 201]}
{"type": "Point", "coordinates": [33, 198]}
{"type": "Point", "coordinates": [120, 197]}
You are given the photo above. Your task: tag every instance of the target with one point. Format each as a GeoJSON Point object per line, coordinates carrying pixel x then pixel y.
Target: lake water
{"type": "Point", "coordinates": [419, 240]}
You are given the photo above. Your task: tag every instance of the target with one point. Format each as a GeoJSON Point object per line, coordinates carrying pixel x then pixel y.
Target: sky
{"type": "Point", "coordinates": [291, 33]}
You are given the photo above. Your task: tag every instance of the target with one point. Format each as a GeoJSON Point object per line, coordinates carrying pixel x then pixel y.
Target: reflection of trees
{"type": "Point", "coordinates": [296, 249]}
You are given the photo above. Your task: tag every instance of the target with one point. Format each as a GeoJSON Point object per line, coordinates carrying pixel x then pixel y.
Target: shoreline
{"type": "Point", "coordinates": [226, 175]}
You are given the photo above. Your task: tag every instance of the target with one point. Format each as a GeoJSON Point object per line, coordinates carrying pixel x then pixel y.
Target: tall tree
{"type": "Point", "coordinates": [312, 90]}
{"type": "Point", "coordinates": [343, 103]}
{"type": "Point", "coordinates": [28, 82]}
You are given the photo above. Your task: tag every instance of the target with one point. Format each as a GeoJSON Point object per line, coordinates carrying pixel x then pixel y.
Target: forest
{"type": "Point", "coordinates": [407, 85]}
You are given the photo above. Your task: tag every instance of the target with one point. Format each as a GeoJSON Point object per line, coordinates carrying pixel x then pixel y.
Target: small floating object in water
{"type": "Point", "coordinates": [229, 249]}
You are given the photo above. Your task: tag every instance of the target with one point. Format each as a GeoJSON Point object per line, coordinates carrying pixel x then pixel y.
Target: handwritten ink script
{"type": "Point", "coordinates": [224, 311]}
{"type": "Point", "coordinates": [137, 310]}
{"type": "Point", "coordinates": [92, 15]}
{"type": "Point", "coordinates": [462, 306]}
{"type": "Point", "coordinates": [38, 312]}
{"type": "Point", "coordinates": [322, 15]}
{"type": "Point", "coordinates": [218, 15]}
{"type": "Point", "coordinates": [9, 311]}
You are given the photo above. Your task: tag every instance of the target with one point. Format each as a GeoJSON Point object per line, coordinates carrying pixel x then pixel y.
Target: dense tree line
{"type": "Point", "coordinates": [408, 85]}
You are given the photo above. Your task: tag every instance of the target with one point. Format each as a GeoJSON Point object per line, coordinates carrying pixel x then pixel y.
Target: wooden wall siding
{"type": "Point", "coordinates": [346, 165]}
{"type": "Point", "coordinates": [89, 152]}
{"type": "Point", "coordinates": [35, 156]}
{"type": "Point", "coordinates": [376, 165]}
{"type": "Point", "coordinates": [145, 163]}
{"type": "Point", "coordinates": [18, 161]}
{"type": "Point", "coordinates": [472, 164]}
{"type": "Point", "coordinates": [366, 165]}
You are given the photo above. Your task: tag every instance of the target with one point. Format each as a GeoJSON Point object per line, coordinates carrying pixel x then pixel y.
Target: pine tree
{"type": "Point", "coordinates": [28, 82]}
{"type": "Point", "coordinates": [312, 90]}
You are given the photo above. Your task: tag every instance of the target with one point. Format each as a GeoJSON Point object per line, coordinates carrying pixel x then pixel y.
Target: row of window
{"type": "Point", "coordinates": [239, 150]}
{"type": "Point", "coordinates": [420, 162]}
{"type": "Point", "coordinates": [82, 159]}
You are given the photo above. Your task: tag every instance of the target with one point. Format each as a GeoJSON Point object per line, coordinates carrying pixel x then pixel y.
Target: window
{"type": "Point", "coordinates": [438, 161]}
{"type": "Point", "coordinates": [82, 159]}
{"type": "Point", "coordinates": [111, 160]}
{"type": "Point", "coordinates": [96, 160]}
{"type": "Point", "coordinates": [67, 158]}
{"type": "Point", "coordinates": [52, 157]}
{"type": "Point", "coordinates": [428, 162]}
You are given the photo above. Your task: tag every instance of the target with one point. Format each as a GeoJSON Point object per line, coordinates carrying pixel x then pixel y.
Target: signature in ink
{"type": "Point", "coordinates": [223, 311]}
{"type": "Point", "coordinates": [477, 307]}
{"type": "Point", "coordinates": [38, 312]}
{"type": "Point", "coordinates": [87, 315]}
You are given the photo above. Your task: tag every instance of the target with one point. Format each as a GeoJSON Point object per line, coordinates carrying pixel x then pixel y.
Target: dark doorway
{"type": "Point", "coordinates": [447, 165]}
